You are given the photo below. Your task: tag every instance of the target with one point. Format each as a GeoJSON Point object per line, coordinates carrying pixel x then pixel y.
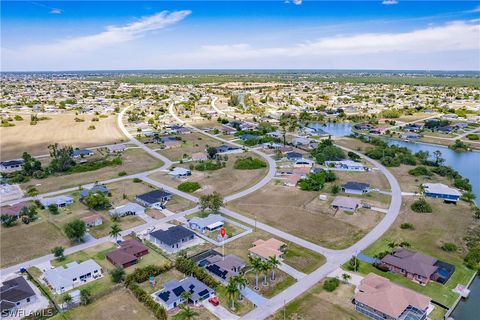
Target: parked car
{"type": "Point", "coordinates": [214, 301]}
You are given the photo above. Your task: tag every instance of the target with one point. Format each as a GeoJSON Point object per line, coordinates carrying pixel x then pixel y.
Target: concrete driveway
{"type": "Point", "coordinates": [253, 297]}
{"type": "Point", "coordinates": [219, 311]}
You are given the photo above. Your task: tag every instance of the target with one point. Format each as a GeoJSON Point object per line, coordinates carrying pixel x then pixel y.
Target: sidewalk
{"type": "Point", "coordinates": [291, 271]}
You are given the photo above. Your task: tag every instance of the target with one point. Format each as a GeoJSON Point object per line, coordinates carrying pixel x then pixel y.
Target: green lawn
{"type": "Point", "coordinates": [302, 259]}
{"type": "Point", "coordinates": [241, 307]}
{"type": "Point", "coordinates": [282, 281]}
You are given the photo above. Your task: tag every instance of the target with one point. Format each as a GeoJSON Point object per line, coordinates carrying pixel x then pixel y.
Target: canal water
{"type": "Point", "coordinates": [468, 165]}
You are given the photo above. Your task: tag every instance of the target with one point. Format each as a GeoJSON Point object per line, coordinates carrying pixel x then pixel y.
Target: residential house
{"type": "Point", "coordinates": [355, 187]}
{"type": "Point", "coordinates": [294, 156]}
{"type": "Point", "coordinates": [224, 268]}
{"type": "Point", "coordinates": [59, 201]}
{"type": "Point", "coordinates": [11, 166]}
{"type": "Point", "coordinates": [379, 299]}
{"type": "Point", "coordinates": [413, 127]}
{"type": "Point", "coordinates": [199, 156]}
{"type": "Point", "coordinates": [304, 163]}
{"type": "Point", "coordinates": [65, 278]}
{"type": "Point", "coordinates": [285, 149]}
{"type": "Point", "coordinates": [173, 239]}
{"type": "Point", "coordinates": [439, 190]}
{"type": "Point", "coordinates": [98, 187]}
{"type": "Point", "coordinates": [228, 130]}
{"type": "Point", "coordinates": [154, 199]}
{"type": "Point", "coordinates": [418, 267]}
{"type": "Point", "coordinates": [172, 144]}
{"type": "Point", "coordinates": [347, 165]}
{"type": "Point", "coordinates": [346, 203]}
{"type": "Point", "coordinates": [171, 294]}
{"type": "Point", "coordinates": [224, 149]}
{"type": "Point", "coordinates": [210, 223]}
{"type": "Point", "coordinates": [15, 294]}
{"type": "Point", "coordinates": [127, 210]}
{"type": "Point", "coordinates": [292, 180]}
{"type": "Point", "coordinates": [13, 209]}
{"type": "Point", "coordinates": [80, 153]}
{"type": "Point", "coordinates": [128, 254]}
{"type": "Point", "coordinates": [93, 220]}
{"type": "Point", "coordinates": [180, 172]}
{"type": "Point", "coordinates": [275, 134]}
{"type": "Point", "coordinates": [301, 141]}
{"type": "Point", "coordinates": [247, 136]}
{"type": "Point", "coordinates": [116, 148]}
{"type": "Point", "coordinates": [268, 248]}
{"type": "Point", "coordinates": [410, 136]}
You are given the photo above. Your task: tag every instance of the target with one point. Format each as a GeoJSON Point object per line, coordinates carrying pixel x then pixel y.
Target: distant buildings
{"type": "Point", "coordinates": [11, 166]}
{"type": "Point", "coordinates": [347, 165]}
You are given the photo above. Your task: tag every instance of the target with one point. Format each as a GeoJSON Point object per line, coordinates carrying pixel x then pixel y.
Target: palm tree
{"type": "Point", "coordinates": [241, 282]}
{"type": "Point", "coordinates": [115, 231]}
{"type": "Point", "coordinates": [187, 313]}
{"type": "Point", "coordinates": [256, 265]}
{"type": "Point", "coordinates": [274, 263]}
{"type": "Point", "coordinates": [232, 291]}
{"type": "Point", "coordinates": [186, 295]}
{"type": "Point", "coordinates": [346, 277]}
{"type": "Point", "coordinates": [265, 268]}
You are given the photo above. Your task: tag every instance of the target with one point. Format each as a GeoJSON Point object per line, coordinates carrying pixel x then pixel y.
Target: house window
{"type": "Point", "coordinates": [28, 299]}
{"type": "Point", "coordinates": [74, 279]}
{"type": "Point", "coordinates": [18, 303]}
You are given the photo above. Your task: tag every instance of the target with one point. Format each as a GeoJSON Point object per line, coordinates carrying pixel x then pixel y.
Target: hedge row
{"type": "Point", "coordinates": [143, 274]}
{"type": "Point", "coordinates": [142, 296]}
{"type": "Point", "coordinates": [189, 267]}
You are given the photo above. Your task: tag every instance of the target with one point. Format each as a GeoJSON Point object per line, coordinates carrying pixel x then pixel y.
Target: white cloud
{"type": "Point", "coordinates": [56, 11]}
{"type": "Point", "coordinates": [476, 10]}
{"type": "Point", "coordinates": [389, 2]}
{"type": "Point", "coordinates": [454, 36]}
{"type": "Point", "coordinates": [297, 2]}
{"type": "Point", "coordinates": [113, 34]}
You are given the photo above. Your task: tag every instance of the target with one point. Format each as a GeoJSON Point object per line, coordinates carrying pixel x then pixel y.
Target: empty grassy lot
{"type": "Point", "coordinates": [63, 129]}
{"type": "Point", "coordinates": [119, 305]}
{"type": "Point", "coordinates": [278, 205]}
{"type": "Point", "coordinates": [225, 181]}
{"type": "Point", "coordinates": [317, 303]}
{"type": "Point", "coordinates": [134, 161]}
{"type": "Point", "coordinates": [25, 242]}
{"type": "Point", "coordinates": [192, 142]}
{"type": "Point", "coordinates": [447, 223]}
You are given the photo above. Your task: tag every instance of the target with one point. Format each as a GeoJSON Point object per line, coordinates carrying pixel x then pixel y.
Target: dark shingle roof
{"type": "Point", "coordinates": [15, 290]}
{"type": "Point", "coordinates": [173, 235]}
{"type": "Point", "coordinates": [354, 185]}
{"type": "Point", "coordinates": [154, 196]}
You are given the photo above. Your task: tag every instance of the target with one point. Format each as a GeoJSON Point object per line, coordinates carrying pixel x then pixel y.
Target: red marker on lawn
{"type": "Point", "coordinates": [223, 232]}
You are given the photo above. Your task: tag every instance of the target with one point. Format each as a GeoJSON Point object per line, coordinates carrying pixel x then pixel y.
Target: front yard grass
{"type": "Point", "coordinates": [302, 259]}
{"type": "Point", "coordinates": [241, 306]}
{"type": "Point", "coordinates": [282, 281]}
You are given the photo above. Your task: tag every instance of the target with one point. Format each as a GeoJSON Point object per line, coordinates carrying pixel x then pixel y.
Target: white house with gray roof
{"type": "Point", "coordinates": [127, 210]}
{"type": "Point", "coordinates": [74, 274]}
{"type": "Point", "coordinates": [210, 223]}
{"type": "Point", "coordinates": [171, 295]}
{"type": "Point", "coordinates": [59, 201]}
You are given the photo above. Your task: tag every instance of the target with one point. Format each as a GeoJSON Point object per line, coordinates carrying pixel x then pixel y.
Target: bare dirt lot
{"type": "Point", "coordinates": [193, 142]}
{"type": "Point", "coordinates": [109, 307]}
{"type": "Point", "coordinates": [278, 206]}
{"type": "Point", "coordinates": [225, 181]}
{"type": "Point", "coordinates": [61, 128]}
{"type": "Point", "coordinates": [134, 161]}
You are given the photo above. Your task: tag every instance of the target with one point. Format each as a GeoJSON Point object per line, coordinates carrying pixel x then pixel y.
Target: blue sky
{"type": "Point", "coordinates": [89, 35]}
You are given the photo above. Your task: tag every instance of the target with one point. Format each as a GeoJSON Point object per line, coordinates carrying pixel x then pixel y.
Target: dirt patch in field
{"type": "Point", "coordinates": [63, 129]}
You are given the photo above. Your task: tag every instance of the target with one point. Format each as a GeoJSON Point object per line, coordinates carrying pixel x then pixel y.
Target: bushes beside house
{"type": "Point", "coordinates": [422, 206]}
{"type": "Point", "coordinates": [188, 266]}
{"type": "Point", "coordinates": [330, 284]}
{"type": "Point", "coordinates": [420, 171]}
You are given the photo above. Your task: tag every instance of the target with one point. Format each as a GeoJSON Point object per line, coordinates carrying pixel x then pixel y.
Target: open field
{"type": "Point", "coordinates": [25, 242]}
{"type": "Point", "coordinates": [109, 307]}
{"type": "Point", "coordinates": [225, 181]}
{"type": "Point", "coordinates": [447, 223]}
{"type": "Point", "coordinates": [63, 129]}
{"type": "Point", "coordinates": [317, 303]}
{"type": "Point", "coordinates": [277, 205]}
{"type": "Point", "coordinates": [134, 161]}
{"type": "Point", "coordinates": [193, 142]}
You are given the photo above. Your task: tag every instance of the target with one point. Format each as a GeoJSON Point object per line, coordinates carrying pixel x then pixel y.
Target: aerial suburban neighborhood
{"type": "Point", "coordinates": [246, 192]}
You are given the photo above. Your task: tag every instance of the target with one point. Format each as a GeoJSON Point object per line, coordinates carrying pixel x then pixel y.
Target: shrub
{"type": "Point", "coordinates": [449, 247]}
{"type": "Point", "coordinates": [249, 163]}
{"type": "Point", "coordinates": [188, 186]}
{"type": "Point", "coordinates": [420, 171]}
{"type": "Point", "coordinates": [188, 266]}
{"type": "Point", "coordinates": [122, 173]}
{"type": "Point", "coordinates": [406, 225]}
{"type": "Point", "coordinates": [137, 180]}
{"type": "Point", "coordinates": [53, 209]}
{"type": "Point", "coordinates": [473, 136]}
{"type": "Point", "coordinates": [381, 267]}
{"type": "Point", "coordinates": [117, 274]}
{"type": "Point", "coordinates": [92, 127]}
{"type": "Point", "coordinates": [330, 284]}
{"type": "Point", "coordinates": [143, 274]}
{"type": "Point", "coordinates": [421, 206]}
{"type": "Point", "coordinates": [209, 166]}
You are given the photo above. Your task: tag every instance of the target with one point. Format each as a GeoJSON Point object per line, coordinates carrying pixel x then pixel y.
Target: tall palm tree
{"type": "Point", "coordinates": [115, 231]}
{"type": "Point", "coordinates": [186, 295]}
{"type": "Point", "coordinates": [256, 265]}
{"type": "Point", "coordinates": [241, 282]}
{"type": "Point", "coordinates": [187, 313]}
{"type": "Point", "coordinates": [274, 263]}
{"type": "Point", "coordinates": [232, 291]}
{"type": "Point", "coordinates": [265, 267]}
